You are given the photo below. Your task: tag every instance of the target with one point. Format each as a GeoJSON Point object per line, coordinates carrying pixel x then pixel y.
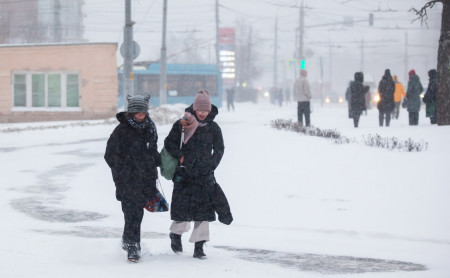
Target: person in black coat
{"type": "Point", "coordinates": [195, 190]}
{"type": "Point", "coordinates": [357, 97]}
{"type": "Point", "coordinates": [132, 155]}
{"type": "Point", "coordinates": [386, 105]}
{"type": "Point", "coordinates": [430, 96]}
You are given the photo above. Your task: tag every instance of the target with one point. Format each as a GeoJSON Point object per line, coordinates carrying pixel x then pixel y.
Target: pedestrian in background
{"type": "Point", "coordinates": [357, 97]}
{"type": "Point", "coordinates": [348, 98]}
{"type": "Point", "coordinates": [132, 154]}
{"type": "Point", "coordinates": [413, 101]}
{"type": "Point", "coordinates": [386, 89]}
{"type": "Point", "coordinates": [399, 95]}
{"type": "Point", "coordinates": [430, 96]}
{"type": "Point", "coordinates": [230, 98]}
{"type": "Point", "coordinates": [302, 94]}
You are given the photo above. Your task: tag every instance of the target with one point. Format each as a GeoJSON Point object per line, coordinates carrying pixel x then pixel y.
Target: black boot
{"type": "Point", "coordinates": [176, 243]}
{"type": "Point", "coordinates": [134, 253]}
{"type": "Point", "coordinates": [198, 251]}
{"type": "Point", "coordinates": [128, 245]}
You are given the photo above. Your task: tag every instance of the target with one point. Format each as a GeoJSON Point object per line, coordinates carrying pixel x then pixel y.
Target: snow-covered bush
{"type": "Point", "coordinates": [370, 140]}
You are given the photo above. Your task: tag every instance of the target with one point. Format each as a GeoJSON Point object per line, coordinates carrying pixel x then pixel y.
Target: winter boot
{"type": "Point", "coordinates": [133, 253]}
{"type": "Point", "coordinates": [198, 251]}
{"type": "Point", "coordinates": [176, 243]}
{"type": "Point", "coordinates": [128, 245]}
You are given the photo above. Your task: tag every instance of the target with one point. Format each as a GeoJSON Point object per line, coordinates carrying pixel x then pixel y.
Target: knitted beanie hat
{"type": "Point", "coordinates": [411, 72]}
{"type": "Point", "coordinates": [202, 101]}
{"type": "Point", "coordinates": [137, 104]}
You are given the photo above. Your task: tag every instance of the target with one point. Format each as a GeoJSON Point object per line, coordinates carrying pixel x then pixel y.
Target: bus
{"type": "Point", "coordinates": [184, 81]}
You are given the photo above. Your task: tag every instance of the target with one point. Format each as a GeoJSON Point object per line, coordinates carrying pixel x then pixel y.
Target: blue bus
{"type": "Point", "coordinates": [184, 81]}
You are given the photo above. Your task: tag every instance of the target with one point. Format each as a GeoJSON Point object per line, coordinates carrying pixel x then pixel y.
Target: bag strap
{"type": "Point", "coordinates": [182, 137]}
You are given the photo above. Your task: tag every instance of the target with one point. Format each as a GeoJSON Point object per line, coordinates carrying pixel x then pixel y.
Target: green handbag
{"type": "Point", "coordinates": [168, 164]}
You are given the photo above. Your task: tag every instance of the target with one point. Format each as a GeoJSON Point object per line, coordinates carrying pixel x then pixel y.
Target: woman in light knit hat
{"type": "Point", "coordinates": [196, 194]}
{"type": "Point", "coordinates": [132, 154]}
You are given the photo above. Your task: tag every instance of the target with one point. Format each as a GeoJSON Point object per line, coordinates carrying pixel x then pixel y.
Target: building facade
{"type": "Point", "coordinates": [49, 82]}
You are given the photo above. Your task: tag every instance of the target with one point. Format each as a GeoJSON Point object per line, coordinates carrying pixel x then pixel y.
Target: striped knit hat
{"type": "Point", "coordinates": [137, 104]}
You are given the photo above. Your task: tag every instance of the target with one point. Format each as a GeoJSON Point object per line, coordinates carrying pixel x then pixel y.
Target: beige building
{"type": "Point", "coordinates": [48, 82]}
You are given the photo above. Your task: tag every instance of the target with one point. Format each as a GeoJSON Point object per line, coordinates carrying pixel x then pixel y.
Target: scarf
{"type": "Point", "coordinates": [190, 124]}
{"type": "Point", "coordinates": [146, 123]}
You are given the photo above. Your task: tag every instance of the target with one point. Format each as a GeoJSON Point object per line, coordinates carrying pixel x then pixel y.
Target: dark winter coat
{"type": "Point", "coordinates": [358, 94]}
{"type": "Point", "coordinates": [132, 154]}
{"type": "Point", "coordinates": [386, 89]}
{"type": "Point", "coordinates": [430, 96]}
{"type": "Point", "coordinates": [194, 182]}
{"type": "Point", "coordinates": [413, 93]}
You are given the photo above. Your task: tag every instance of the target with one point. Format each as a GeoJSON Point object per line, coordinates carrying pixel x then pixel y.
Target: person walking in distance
{"type": "Point", "coordinates": [132, 154]}
{"type": "Point", "coordinates": [413, 101]}
{"type": "Point", "coordinates": [302, 94]}
{"type": "Point", "coordinates": [230, 98]}
{"type": "Point", "coordinates": [399, 95]}
{"type": "Point", "coordinates": [385, 106]}
{"type": "Point", "coordinates": [430, 97]}
{"type": "Point", "coordinates": [357, 97]}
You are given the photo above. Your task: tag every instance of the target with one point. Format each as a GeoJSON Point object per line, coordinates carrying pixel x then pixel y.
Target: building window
{"type": "Point", "coordinates": [20, 90]}
{"type": "Point", "coordinates": [46, 90]}
{"type": "Point", "coordinates": [73, 90]}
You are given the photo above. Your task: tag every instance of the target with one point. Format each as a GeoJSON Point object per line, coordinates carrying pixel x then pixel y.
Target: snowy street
{"type": "Point", "coordinates": [303, 206]}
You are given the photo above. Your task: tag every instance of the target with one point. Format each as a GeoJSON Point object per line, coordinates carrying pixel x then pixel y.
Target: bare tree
{"type": "Point", "coordinates": [246, 53]}
{"type": "Point", "coordinates": [443, 63]}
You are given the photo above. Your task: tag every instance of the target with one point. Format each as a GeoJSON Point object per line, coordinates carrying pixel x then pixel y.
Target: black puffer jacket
{"type": "Point", "coordinates": [386, 88]}
{"type": "Point", "coordinates": [132, 154]}
{"type": "Point", "coordinates": [430, 95]}
{"type": "Point", "coordinates": [194, 182]}
{"type": "Point", "coordinates": [358, 94]}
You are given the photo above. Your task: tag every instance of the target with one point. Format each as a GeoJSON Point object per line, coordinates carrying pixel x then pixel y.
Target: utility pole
{"type": "Point", "coordinates": [163, 61]}
{"type": "Point", "coordinates": [362, 55]}
{"type": "Point", "coordinates": [249, 55]}
{"type": "Point", "coordinates": [321, 81]}
{"type": "Point", "coordinates": [406, 57]}
{"type": "Point", "coordinates": [217, 35]}
{"type": "Point", "coordinates": [301, 29]}
{"type": "Point", "coordinates": [275, 54]}
{"type": "Point", "coordinates": [330, 66]}
{"type": "Point", "coordinates": [128, 57]}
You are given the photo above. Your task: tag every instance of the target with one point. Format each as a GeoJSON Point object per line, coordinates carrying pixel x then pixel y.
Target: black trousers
{"type": "Point", "coordinates": [384, 115]}
{"type": "Point", "coordinates": [133, 215]}
{"type": "Point", "coordinates": [304, 108]}
{"type": "Point", "coordinates": [396, 112]}
{"type": "Point", "coordinates": [356, 115]}
{"type": "Point", "coordinates": [413, 118]}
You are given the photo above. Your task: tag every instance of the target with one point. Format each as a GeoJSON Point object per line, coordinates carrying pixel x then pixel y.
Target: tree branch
{"type": "Point", "coordinates": [422, 13]}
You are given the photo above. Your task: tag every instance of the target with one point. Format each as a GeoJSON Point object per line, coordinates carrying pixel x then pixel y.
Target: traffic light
{"type": "Point", "coordinates": [302, 64]}
{"type": "Point", "coordinates": [371, 19]}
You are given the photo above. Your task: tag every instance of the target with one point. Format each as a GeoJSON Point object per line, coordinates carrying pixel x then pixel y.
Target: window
{"type": "Point", "coordinates": [73, 90]}
{"type": "Point", "coordinates": [46, 90]}
{"type": "Point", "coordinates": [20, 90]}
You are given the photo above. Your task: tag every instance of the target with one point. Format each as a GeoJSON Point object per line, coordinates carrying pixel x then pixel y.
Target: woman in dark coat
{"type": "Point", "coordinates": [430, 96]}
{"type": "Point", "coordinates": [386, 105]}
{"type": "Point", "coordinates": [132, 155]}
{"type": "Point", "coordinates": [194, 183]}
{"type": "Point", "coordinates": [357, 97]}
{"type": "Point", "coordinates": [413, 101]}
